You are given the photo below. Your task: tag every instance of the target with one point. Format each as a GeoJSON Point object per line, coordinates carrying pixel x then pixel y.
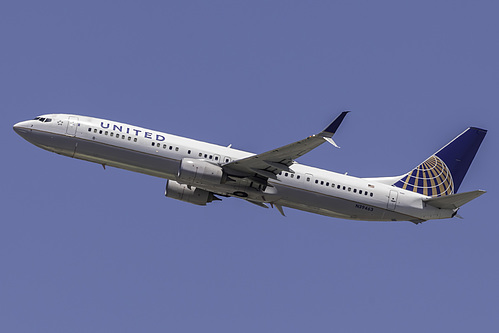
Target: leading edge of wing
{"type": "Point", "coordinates": [270, 163]}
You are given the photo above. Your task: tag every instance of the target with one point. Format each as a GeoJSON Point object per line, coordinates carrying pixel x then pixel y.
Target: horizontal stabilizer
{"type": "Point", "coordinates": [453, 201]}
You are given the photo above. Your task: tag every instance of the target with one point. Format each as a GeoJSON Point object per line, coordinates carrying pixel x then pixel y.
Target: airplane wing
{"type": "Point", "coordinates": [260, 167]}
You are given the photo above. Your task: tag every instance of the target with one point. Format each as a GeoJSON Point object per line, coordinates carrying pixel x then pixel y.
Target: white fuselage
{"type": "Point", "coordinates": [159, 154]}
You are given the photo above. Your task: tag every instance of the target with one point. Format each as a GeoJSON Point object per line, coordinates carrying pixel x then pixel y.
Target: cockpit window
{"type": "Point", "coordinates": [43, 120]}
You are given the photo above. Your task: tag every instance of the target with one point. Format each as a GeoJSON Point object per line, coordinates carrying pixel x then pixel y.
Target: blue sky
{"type": "Point", "coordinates": [88, 250]}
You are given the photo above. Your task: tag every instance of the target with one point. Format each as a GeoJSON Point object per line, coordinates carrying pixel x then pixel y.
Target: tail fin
{"type": "Point", "coordinates": [442, 173]}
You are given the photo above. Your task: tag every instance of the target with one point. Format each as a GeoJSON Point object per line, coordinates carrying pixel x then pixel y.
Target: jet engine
{"type": "Point", "coordinates": [187, 193]}
{"type": "Point", "coordinates": [193, 171]}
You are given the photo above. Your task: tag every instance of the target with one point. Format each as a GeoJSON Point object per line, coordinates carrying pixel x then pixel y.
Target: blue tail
{"type": "Point", "coordinates": [443, 172]}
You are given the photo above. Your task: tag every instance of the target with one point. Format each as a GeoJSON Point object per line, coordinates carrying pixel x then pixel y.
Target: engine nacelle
{"type": "Point", "coordinates": [186, 193]}
{"type": "Point", "coordinates": [193, 171]}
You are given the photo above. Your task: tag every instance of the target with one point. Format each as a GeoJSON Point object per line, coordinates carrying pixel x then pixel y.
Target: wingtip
{"type": "Point", "coordinates": [333, 127]}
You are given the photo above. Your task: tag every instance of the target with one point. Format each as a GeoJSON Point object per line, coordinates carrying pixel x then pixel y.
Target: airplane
{"type": "Point", "coordinates": [200, 173]}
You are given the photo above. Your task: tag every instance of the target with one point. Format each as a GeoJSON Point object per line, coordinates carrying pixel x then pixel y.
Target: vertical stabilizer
{"type": "Point", "coordinates": [442, 173]}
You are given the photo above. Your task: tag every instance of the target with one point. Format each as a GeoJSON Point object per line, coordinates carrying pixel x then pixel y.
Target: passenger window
{"type": "Point", "coordinates": [152, 144]}
{"type": "Point", "coordinates": [176, 149]}
{"type": "Point", "coordinates": [100, 132]}
{"type": "Point", "coordinates": [316, 181]}
{"type": "Point", "coordinates": [365, 193]}
{"type": "Point", "coordinates": [338, 187]}
{"type": "Point", "coordinates": [332, 185]}
{"type": "Point", "coordinates": [322, 182]}
{"type": "Point", "coordinates": [372, 194]}
{"type": "Point", "coordinates": [360, 191]}
{"type": "Point", "coordinates": [164, 146]}
{"type": "Point", "coordinates": [95, 130]}
{"type": "Point", "coordinates": [211, 157]}
{"type": "Point", "coordinates": [134, 139]}
{"type": "Point", "coordinates": [129, 138]}
{"type": "Point", "coordinates": [89, 129]}
{"type": "Point", "coordinates": [308, 179]}
{"type": "Point", "coordinates": [354, 190]}
{"type": "Point", "coordinates": [298, 177]}
{"type": "Point", "coordinates": [216, 158]}
{"type": "Point", "coordinates": [285, 174]}
{"type": "Point", "coordinates": [292, 175]}
{"type": "Point", "coordinates": [327, 184]}
{"type": "Point", "coordinates": [189, 152]}
{"type": "Point", "coordinates": [344, 188]}
{"type": "Point", "coordinates": [158, 145]}
{"type": "Point", "coordinates": [111, 134]}
{"type": "Point", "coordinates": [349, 189]}
{"type": "Point", "coordinates": [171, 147]}
{"type": "Point", "coordinates": [106, 133]}
{"type": "Point", "coordinates": [123, 137]}
{"type": "Point", "coordinates": [200, 154]}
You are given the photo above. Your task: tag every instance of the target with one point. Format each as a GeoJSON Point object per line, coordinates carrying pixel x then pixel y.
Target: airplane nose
{"type": "Point", "coordinates": [21, 128]}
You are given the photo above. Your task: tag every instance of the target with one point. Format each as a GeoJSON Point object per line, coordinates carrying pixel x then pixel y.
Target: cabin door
{"type": "Point", "coordinates": [72, 125]}
{"type": "Point", "coordinates": [392, 200]}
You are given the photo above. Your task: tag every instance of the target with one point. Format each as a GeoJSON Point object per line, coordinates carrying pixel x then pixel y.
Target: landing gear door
{"type": "Point", "coordinates": [392, 200]}
{"type": "Point", "coordinates": [72, 126]}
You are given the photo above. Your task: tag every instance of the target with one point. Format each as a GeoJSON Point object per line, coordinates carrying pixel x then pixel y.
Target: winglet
{"type": "Point", "coordinates": [331, 129]}
{"type": "Point", "coordinates": [331, 141]}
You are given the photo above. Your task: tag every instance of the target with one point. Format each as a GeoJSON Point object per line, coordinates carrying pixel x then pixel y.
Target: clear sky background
{"type": "Point", "coordinates": [84, 249]}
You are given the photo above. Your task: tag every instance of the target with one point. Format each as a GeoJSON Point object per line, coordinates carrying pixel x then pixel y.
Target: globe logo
{"type": "Point", "coordinates": [431, 178]}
